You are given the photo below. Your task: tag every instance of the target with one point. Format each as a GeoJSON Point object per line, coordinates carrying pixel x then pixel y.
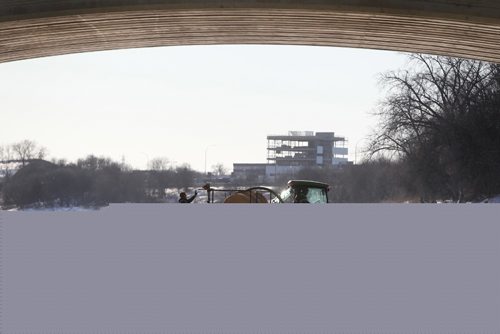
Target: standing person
{"type": "Point", "coordinates": [183, 197]}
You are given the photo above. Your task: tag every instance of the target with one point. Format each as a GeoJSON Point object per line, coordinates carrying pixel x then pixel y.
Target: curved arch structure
{"type": "Point", "coordinates": [463, 28]}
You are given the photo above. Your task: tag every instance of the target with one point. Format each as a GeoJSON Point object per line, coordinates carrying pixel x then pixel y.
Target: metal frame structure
{"type": "Point", "coordinates": [211, 193]}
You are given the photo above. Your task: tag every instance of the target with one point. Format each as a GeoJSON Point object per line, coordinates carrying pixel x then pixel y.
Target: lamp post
{"type": "Point", "coordinates": [206, 150]}
{"type": "Point", "coordinates": [147, 158]}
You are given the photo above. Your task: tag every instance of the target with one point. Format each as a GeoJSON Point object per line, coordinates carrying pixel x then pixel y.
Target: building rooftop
{"type": "Point", "coordinates": [305, 136]}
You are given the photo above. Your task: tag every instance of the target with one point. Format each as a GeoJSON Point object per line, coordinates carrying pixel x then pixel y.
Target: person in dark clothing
{"type": "Point", "coordinates": [183, 197]}
{"type": "Point", "coordinates": [301, 195]}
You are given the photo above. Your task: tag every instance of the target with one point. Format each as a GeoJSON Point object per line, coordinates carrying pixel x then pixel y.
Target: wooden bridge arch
{"type": "Point", "coordinates": [37, 28]}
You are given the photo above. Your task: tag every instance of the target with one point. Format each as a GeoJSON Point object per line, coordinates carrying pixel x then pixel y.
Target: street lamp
{"type": "Point", "coordinates": [206, 150]}
{"type": "Point", "coordinates": [356, 151]}
{"type": "Point", "coordinates": [147, 158]}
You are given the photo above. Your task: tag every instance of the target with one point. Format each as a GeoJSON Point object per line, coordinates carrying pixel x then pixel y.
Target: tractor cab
{"type": "Point", "coordinates": [304, 191]}
{"type": "Point", "coordinates": [298, 191]}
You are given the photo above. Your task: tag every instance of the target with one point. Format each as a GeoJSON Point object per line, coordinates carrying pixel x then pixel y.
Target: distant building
{"type": "Point", "coordinates": [255, 172]}
{"type": "Point", "coordinates": [306, 149]}
{"type": "Point", "coordinates": [287, 154]}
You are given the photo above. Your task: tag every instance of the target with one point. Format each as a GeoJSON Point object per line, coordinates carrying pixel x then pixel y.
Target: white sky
{"type": "Point", "coordinates": [175, 102]}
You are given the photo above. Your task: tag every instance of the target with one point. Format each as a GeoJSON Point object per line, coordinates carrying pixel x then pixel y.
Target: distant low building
{"type": "Point", "coordinates": [255, 172]}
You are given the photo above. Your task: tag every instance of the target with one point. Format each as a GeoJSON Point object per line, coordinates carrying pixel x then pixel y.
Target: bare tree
{"type": "Point", "coordinates": [184, 176]}
{"type": "Point", "coordinates": [429, 115]}
{"type": "Point", "coordinates": [91, 162]}
{"type": "Point", "coordinates": [426, 98]}
{"type": "Point", "coordinates": [5, 158]}
{"type": "Point", "coordinates": [5, 153]}
{"type": "Point", "coordinates": [159, 164]}
{"type": "Point", "coordinates": [219, 169]}
{"type": "Point", "coordinates": [28, 150]}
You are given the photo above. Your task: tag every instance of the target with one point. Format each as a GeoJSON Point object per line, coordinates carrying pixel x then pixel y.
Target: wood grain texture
{"type": "Point", "coordinates": [37, 28]}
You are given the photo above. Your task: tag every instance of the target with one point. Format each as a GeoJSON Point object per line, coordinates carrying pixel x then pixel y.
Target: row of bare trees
{"type": "Point", "coordinates": [441, 119]}
{"type": "Point", "coordinates": [27, 179]}
{"type": "Point", "coordinates": [163, 164]}
{"type": "Point", "coordinates": [19, 152]}
{"type": "Point", "coordinates": [438, 137]}
{"type": "Point", "coordinates": [92, 181]}
{"type": "Point", "coordinates": [373, 181]}
{"type": "Point", "coordinates": [23, 151]}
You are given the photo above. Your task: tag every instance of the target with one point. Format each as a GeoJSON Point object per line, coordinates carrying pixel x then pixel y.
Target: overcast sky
{"type": "Point", "coordinates": [180, 102]}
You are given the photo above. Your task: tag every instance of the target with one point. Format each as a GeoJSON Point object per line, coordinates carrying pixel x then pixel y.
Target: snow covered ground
{"type": "Point", "coordinates": [494, 199]}
{"type": "Point", "coordinates": [66, 208]}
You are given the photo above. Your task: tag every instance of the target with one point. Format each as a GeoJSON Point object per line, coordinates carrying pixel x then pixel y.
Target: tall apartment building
{"type": "Point", "coordinates": [287, 154]}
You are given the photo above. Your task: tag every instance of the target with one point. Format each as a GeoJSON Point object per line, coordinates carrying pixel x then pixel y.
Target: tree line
{"type": "Point", "coordinates": [91, 181]}
{"type": "Point", "coordinates": [437, 137]}
{"type": "Point", "coordinates": [441, 120]}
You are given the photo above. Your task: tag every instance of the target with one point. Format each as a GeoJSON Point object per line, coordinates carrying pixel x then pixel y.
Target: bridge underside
{"type": "Point", "coordinates": [36, 28]}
